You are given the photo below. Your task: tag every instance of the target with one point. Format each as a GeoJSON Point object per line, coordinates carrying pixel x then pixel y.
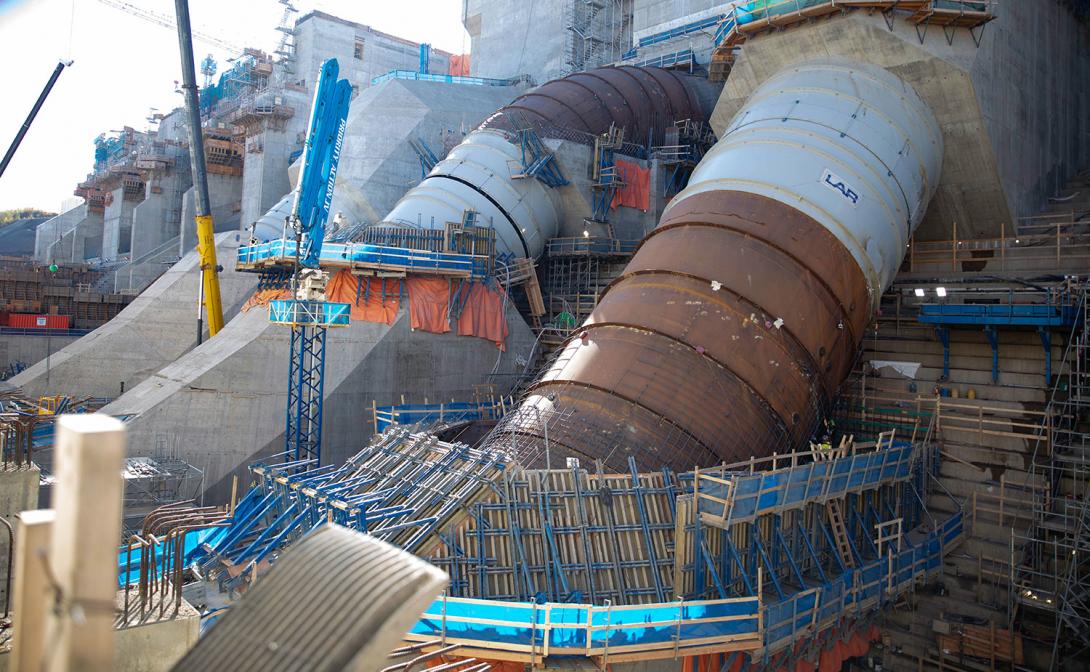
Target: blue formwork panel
{"type": "Point", "coordinates": [829, 602]}
{"type": "Point", "coordinates": [752, 495]}
{"type": "Point", "coordinates": [785, 619]}
{"type": "Point", "coordinates": [309, 313]}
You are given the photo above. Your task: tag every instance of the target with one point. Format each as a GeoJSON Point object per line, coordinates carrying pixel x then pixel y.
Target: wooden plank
{"type": "Point", "coordinates": [83, 544]}
{"type": "Point", "coordinates": [32, 591]}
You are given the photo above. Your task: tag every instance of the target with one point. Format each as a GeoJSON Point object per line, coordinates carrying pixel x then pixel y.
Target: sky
{"type": "Point", "coordinates": [124, 68]}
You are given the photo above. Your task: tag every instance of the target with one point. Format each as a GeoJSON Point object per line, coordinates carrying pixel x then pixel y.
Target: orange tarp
{"type": "Point", "coordinates": [636, 193]}
{"type": "Point", "coordinates": [263, 297]}
{"type": "Point", "coordinates": [459, 65]}
{"type": "Point", "coordinates": [482, 315]}
{"type": "Point", "coordinates": [371, 307]}
{"type": "Point", "coordinates": [343, 287]}
{"type": "Point", "coordinates": [429, 302]}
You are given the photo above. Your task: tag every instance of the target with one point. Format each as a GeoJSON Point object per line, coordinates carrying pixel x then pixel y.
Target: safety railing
{"type": "Point", "coordinates": [756, 15]}
{"type": "Point", "coordinates": [668, 60]}
{"type": "Point", "coordinates": [967, 420]}
{"type": "Point", "coordinates": [725, 498]}
{"type": "Point", "coordinates": [344, 255]}
{"type": "Point", "coordinates": [538, 631]}
{"type": "Point", "coordinates": [1045, 242]}
{"type": "Point", "coordinates": [592, 245]}
{"type": "Point", "coordinates": [17, 331]}
{"type": "Point", "coordinates": [309, 313]}
{"type": "Point", "coordinates": [692, 27]}
{"type": "Point", "coordinates": [454, 411]}
{"type": "Point", "coordinates": [444, 79]}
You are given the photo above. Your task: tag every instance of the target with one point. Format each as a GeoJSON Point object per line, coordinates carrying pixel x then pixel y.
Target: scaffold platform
{"type": "Point", "coordinates": [309, 313]}
{"type": "Point", "coordinates": [365, 258]}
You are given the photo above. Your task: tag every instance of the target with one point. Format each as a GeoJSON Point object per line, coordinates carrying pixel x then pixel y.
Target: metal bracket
{"type": "Point", "coordinates": [943, 334]}
{"type": "Point", "coordinates": [993, 340]}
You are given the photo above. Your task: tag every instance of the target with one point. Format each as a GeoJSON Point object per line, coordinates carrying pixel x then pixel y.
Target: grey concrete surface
{"type": "Point", "coordinates": [1012, 136]}
{"type": "Point", "coordinates": [222, 405]}
{"type": "Point", "coordinates": [117, 225]}
{"type": "Point", "coordinates": [225, 196]}
{"type": "Point", "coordinates": [158, 644]}
{"type": "Point", "coordinates": [18, 493]}
{"type": "Point", "coordinates": [30, 349]}
{"type": "Point", "coordinates": [49, 232]}
{"type": "Point", "coordinates": [514, 37]}
{"type": "Point", "coordinates": [378, 165]}
{"type": "Point", "coordinates": [152, 331]}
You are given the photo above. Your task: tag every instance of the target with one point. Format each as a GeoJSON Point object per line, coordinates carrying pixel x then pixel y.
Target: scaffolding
{"type": "Point", "coordinates": [686, 143]}
{"type": "Point", "coordinates": [754, 17]}
{"type": "Point", "coordinates": [1054, 573]}
{"type": "Point", "coordinates": [596, 32]}
{"type": "Point", "coordinates": [612, 567]}
{"type": "Point", "coordinates": [605, 178]}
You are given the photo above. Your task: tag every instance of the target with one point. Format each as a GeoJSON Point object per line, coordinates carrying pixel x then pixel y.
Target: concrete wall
{"type": "Point", "coordinates": [117, 226]}
{"type": "Point", "coordinates": [378, 165]}
{"type": "Point", "coordinates": [152, 331]}
{"type": "Point", "coordinates": [49, 232]}
{"type": "Point", "coordinates": [265, 171]}
{"type": "Point", "coordinates": [86, 242]}
{"type": "Point", "coordinates": [221, 406]}
{"type": "Point", "coordinates": [157, 218]}
{"type": "Point", "coordinates": [83, 240]}
{"type": "Point", "coordinates": [1012, 128]}
{"type": "Point", "coordinates": [577, 198]}
{"type": "Point", "coordinates": [225, 196]}
{"type": "Point", "coordinates": [651, 17]}
{"type": "Point", "coordinates": [30, 350]}
{"type": "Point", "coordinates": [656, 16]}
{"type": "Point", "coordinates": [320, 36]}
{"type": "Point", "coordinates": [1032, 79]}
{"type": "Point", "coordinates": [513, 37]}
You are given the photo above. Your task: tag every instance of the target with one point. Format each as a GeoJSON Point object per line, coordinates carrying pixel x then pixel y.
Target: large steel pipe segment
{"type": "Point", "coordinates": [740, 314]}
{"type": "Point", "coordinates": [483, 173]}
{"type": "Point", "coordinates": [273, 224]}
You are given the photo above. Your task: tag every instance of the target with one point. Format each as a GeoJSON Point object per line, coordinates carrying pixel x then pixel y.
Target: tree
{"type": "Point", "coordinates": [9, 216]}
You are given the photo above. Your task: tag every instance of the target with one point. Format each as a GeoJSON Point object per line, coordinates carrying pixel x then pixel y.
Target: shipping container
{"type": "Point", "coordinates": [32, 321]}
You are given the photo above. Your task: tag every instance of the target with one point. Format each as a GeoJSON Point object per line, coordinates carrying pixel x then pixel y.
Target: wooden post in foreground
{"type": "Point", "coordinates": [84, 543]}
{"type": "Point", "coordinates": [32, 594]}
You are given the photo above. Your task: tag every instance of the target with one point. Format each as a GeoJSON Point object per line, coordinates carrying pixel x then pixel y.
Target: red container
{"type": "Point", "coordinates": [31, 321]}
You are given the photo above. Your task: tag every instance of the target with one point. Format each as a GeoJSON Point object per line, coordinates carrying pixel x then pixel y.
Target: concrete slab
{"type": "Point", "coordinates": [222, 405]}
{"type": "Point", "coordinates": [152, 331]}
